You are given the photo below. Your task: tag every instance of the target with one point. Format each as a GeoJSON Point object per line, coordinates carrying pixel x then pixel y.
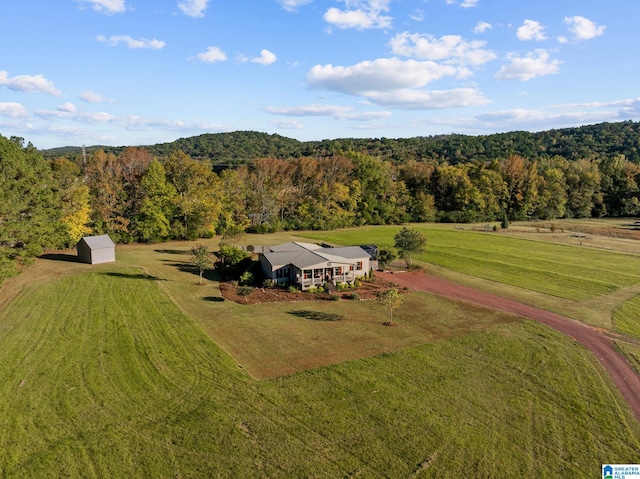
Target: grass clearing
{"type": "Point", "coordinates": [563, 271]}
{"type": "Point", "coordinates": [627, 317]}
{"type": "Point", "coordinates": [103, 376]}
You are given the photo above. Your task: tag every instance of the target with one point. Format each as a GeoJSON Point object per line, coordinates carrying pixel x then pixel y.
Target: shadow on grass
{"type": "Point", "coordinates": [317, 315]}
{"type": "Point", "coordinates": [209, 274]}
{"type": "Point", "coordinates": [213, 299]}
{"type": "Point", "coordinates": [172, 251]}
{"type": "Point", "coordinates": [69, 258]}
{"type": "Point", "coordinates": [144, 276]}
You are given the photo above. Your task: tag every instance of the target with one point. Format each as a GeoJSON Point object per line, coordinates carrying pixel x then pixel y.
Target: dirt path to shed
{"type": "Point", "coordinates": [624, 376]}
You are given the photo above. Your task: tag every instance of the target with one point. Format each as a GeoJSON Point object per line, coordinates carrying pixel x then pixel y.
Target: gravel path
{"type": "Point", "coordinates": [593, 339]}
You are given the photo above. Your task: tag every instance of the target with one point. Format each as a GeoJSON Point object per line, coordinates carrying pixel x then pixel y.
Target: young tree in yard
{"type": "Point", "coordinates": [390, 300]}
{"type": "Point", "coordinates": [409, 242]}
{"type": "Point", "coordinates": [201, 258]}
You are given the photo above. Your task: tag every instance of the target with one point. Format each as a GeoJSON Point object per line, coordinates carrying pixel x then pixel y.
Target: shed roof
{"type": "Point", "coordinates": [98, 242]}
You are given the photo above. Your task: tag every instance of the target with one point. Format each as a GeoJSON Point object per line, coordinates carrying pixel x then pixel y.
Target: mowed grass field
{"type": "Point", "coordinates": [103, 375]}
{"type": "Point", "coordinates": [569, 272]}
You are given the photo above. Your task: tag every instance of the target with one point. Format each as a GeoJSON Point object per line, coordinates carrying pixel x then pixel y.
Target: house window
{"type": "Point", "coordinates": [282, 273]}
{"type": "Point", "coordinates": [359, 266]}
{"type": "Point", "coordinates": [308, 274]}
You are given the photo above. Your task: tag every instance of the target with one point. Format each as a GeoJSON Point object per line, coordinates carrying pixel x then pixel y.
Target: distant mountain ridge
{"type": "Point", "coordinates": [590, 141]}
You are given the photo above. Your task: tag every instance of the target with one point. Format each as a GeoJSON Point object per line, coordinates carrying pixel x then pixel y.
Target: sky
{"type": "Point", "coordinates": [140, 72]}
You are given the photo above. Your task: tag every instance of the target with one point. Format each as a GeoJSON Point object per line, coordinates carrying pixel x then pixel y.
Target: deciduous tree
{"type": "Point", "coordinates": [409, 242]}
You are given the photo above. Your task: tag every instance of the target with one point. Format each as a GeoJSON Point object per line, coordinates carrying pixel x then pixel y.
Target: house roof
{"type": "Point", "coordinates": [98, 242]}
{"type": "Point", "coordinates": [294, 246]}
{"type": "Point", "coordinates": [299, 255]}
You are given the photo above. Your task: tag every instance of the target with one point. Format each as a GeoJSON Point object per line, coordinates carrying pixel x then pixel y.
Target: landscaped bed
{"type": "Point", "coordinates": [368, 289]}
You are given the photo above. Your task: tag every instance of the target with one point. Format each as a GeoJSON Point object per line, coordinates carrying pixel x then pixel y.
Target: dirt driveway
{"type": "Point", "coordinates": [594, 340]}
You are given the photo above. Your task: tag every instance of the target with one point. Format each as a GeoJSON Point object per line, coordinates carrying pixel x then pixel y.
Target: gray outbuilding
{"type": "Point", "coordinates": [96, 250]}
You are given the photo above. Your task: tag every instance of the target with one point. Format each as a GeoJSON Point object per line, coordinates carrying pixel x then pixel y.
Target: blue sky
{"type": "Point", "coordinates": [136, 72]}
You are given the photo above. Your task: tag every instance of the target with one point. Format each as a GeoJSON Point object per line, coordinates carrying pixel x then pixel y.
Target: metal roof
{"type": "Point", "coordinates": [298, 255]}
{"type": "Point", "coordinates": [98, 242]}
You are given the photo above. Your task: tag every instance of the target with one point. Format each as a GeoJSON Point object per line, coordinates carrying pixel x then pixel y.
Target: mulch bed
{"type": "Point", "coordinates": [368, 290]}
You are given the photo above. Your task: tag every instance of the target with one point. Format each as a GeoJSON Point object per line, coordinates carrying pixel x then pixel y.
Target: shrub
{"type": "Point", "coordinates": [357, 283]}
{"type": "Point", "coordinates": [354, 296]}
{"type": "Point", "coordinates": [293, 289]}
{"type": "Point", "coordinates": [244, 290]}
{"type": "Point", "coordinates": [343, 286]}
{"type": "Point", "coordinates": [334, 297]}
{"type": "Point", "coordinates": [312, 290]}
{"type": "Point", "coordinates": [246, 278]}
{"type": "Point", "coordinates": [269, 283]}
{"type": "Point", "coordinates": [504, 224]}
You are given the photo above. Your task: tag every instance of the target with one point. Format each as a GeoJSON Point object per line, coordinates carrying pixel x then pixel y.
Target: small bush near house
{"type": "Point", "coordinates": [246, 278]}
{"type": "Point", "coordinates": [335, 297]}
{"type": "Point", "coordinates": [354, 296]}
{"type": "Point", "coordinates": [244, 290]}
{"type": "Point", "coordinates": [293, 289]}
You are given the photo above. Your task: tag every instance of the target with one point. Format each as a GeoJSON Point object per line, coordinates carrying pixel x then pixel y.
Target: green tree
{"type": "Point", "coordinates": [409, 242]}
{"type": "Point", "coordinates": [156, 209]}
{"type": "Point", "coordinates": [29, 208]}
{"type": "Point", "coordinates": [390, 300]}
{"type": "Point", "coordinates": [231, 255]}
{"type": "Point", "coordinates": [198, 199]}
{"type": "Point", "coordinates": [386, 256]}
{"type": "Point", "coordinates": [201, 258]}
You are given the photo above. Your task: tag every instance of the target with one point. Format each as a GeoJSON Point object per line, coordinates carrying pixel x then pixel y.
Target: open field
{"type": "Point", "coordinates": [548, 268]}
{"type": "Point", "coordinates": [587, 284]}
{"type": "Point", "coordinates": [103, 376]}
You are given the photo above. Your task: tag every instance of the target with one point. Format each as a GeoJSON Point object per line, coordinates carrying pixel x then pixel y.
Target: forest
{"type": "Point", "coordinates": [155, 194]}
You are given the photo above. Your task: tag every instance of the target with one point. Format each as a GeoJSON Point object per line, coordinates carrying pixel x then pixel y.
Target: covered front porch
{"type": "Point", "coordinates": [314, 277]}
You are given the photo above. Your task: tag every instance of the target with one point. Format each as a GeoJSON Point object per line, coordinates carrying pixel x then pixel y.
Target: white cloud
{"type": "Point", "coordinates": [464, 3]}
{"type": "Point", "coordinates": [293, 5]}
{"type": "Point", "coordinates": [287, 124]}
{"type": "Point", "coordinates": [360, 15]}
{"type": "Point", "coordinates": [212, 55]}
{"type": "Point", "coordinates": [411, 99]}
{"type": "Point", "coordinates": [67, 107]}
{"type": "Point", "coordinates": [92, 97]}
{"type": "Point", "coordinates": [29, 84]}
{"type": "Point", "coordinates": [583, 28]}
{"type": "Point", "coordinates": [535, 64]}
{"type": "Point", "coordinates": [13, 110]}
{"type": "Point", "coordinates": [531, 30]}
{"type": "Point", "coordinates": [383, 74]}
{"type": "Point", "coordinates": [193, 8]}
{"type": "Point", "coordinates": [451, 48]}
{"type": "Point", "coordinates": [107, 6]}
{"type": "Point", "coordinates": [482, 27]}
{"type": "Point", "coordinates": [336, 111]}
{"type": "Point", "coordinates": [115, 40]}
{"type": "Point", "coordinates": [266, 58]}
{"type": "Point", "coordinates": [83, 117]}
{"type": "Point", "coordinates": [394, 83]}
{"type": "Point", "coordinates": [417, 16]}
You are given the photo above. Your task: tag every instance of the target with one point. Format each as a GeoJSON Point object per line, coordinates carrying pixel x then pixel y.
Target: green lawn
{"type": "Point", "coordinates": [627, 317]}
{"type": "Point", "coordinates": [568, 272]}
{"type": "Point", "coordinates": [103, 376]}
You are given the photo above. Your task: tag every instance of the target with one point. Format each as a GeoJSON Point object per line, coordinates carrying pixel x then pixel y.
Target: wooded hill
{"type": "Point", "coordinates": [604, 140]}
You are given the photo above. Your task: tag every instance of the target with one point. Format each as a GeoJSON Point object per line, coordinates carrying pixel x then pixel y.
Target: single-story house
{"type": "Point", "coordinates": [310, 265]}
{"type": "Point", "coordinates": [96, 250]}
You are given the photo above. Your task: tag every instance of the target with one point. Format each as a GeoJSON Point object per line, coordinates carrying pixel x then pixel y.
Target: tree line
{"type": "Point", "coordinates": [136, 197]}
{"type": "Point", "coordinates": [228, 149]}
